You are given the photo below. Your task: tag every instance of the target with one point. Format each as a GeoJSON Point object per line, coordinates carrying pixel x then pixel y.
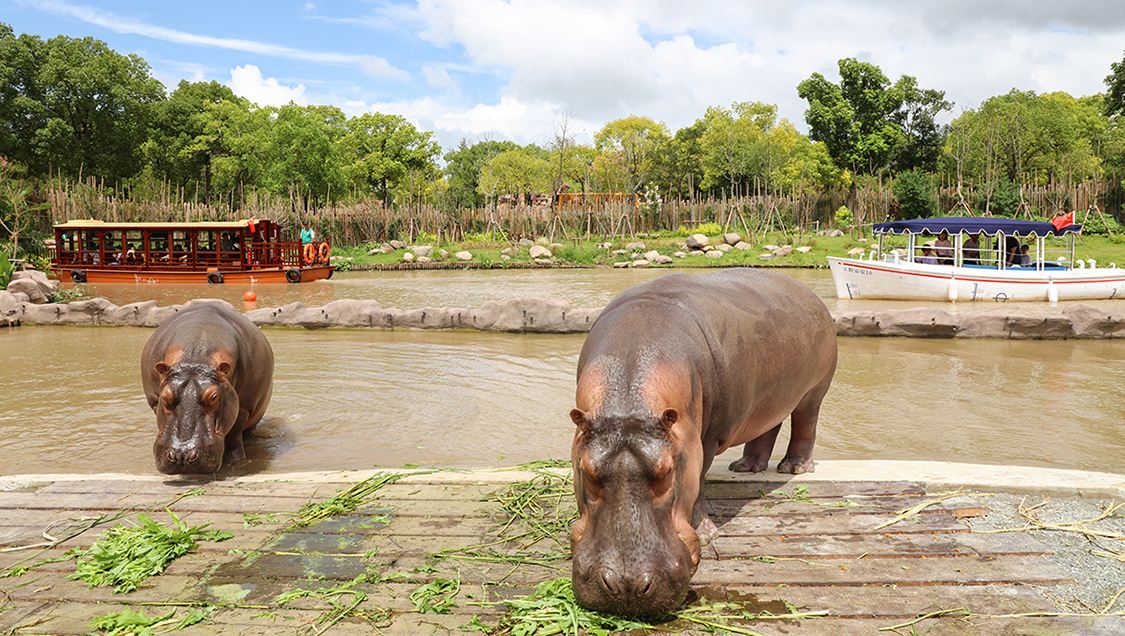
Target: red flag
{"type": "Point", "coordinates": [1065, 220]}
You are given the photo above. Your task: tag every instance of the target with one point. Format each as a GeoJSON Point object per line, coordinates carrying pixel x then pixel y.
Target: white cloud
{"type": "Point", "coordinates": [247, 81]}
{"type": "Point", "coordinates": [370, 64]}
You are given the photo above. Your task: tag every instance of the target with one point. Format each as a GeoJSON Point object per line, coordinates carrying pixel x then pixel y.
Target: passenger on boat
{"type": "Point", "coordinates": [1025, 257]}
{"type": "Point", "coordinates": [307, 234]}
{"type": "Point", "coordinates": [944, 249]}
{"type": "Point", "coordinates": [928, 257]}
{"type": "Point", "coordinates": [971, 250]}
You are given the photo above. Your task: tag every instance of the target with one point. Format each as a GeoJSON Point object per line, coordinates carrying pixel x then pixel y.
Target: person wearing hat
{"type": "Point", "coordinates": [928, 257]}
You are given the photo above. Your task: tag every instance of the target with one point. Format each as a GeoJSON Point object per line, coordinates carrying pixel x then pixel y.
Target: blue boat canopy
{"type": "Point", "coordinates": [974, 225]}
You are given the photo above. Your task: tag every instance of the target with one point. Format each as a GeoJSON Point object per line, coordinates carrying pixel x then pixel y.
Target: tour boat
{"type": "Point", "coordinates": [248, 251]}
{"type": "Point", "coordinates": [978, 259]}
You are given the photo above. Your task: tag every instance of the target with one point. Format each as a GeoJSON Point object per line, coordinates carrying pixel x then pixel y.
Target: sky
{"type": "Point", "coordinates": [521, 69]}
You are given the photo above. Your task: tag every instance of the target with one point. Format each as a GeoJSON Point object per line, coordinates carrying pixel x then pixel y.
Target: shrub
{"type": "Point", "coordinates": [844, 217]}
{"type": "Point", "coordinates": [914, 191]}
{"type": "Point", "coordinates": [1005, 198]}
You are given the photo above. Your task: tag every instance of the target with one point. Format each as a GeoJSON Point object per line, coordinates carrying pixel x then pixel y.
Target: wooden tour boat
{"type": "Point", "coordinates": [249, 251]}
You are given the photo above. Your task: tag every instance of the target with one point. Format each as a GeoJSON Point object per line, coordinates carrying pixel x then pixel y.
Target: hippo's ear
{"type": "Point", "coordinates": [578, 416]}
{"type": "Point", "coordinates": [224, 369]}
{"type": "Point", "coordinates": [161, 368]}
{"type": "Point", "coordinates": [669, 417]}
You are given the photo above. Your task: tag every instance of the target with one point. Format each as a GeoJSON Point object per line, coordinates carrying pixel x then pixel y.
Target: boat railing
{"type": "Point", "coordinates": [273, 254]}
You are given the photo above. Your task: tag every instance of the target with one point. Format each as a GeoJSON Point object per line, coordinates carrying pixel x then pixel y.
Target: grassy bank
{"type": "Point", "coordinates": [1104, 249]}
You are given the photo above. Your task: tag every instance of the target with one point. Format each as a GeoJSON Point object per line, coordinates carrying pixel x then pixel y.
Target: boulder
{"type": "Point", "coordinates": [784, 250]}
{"type": "Point", "coordinates": [732, 238]}
{"type": "Point", "coordinates": [621, 265]}
{"type": "Point", "coordinates": [696, 241]}
{"type": "Point", "coordinates": [619, 252]}
{"type": "Point", "coordinates": [407, 257]}
{"type": "Point", "coordinates": [856, 251]}
{"type": "Point", "coordinates": [526, 242]}
{"type": "Point", "coordinates": [11, 310]}
{"type": "Point", "coordinates": [426, 318]}
{"type": "Point", "coordinates": [1087, 321]}
{"type": "Point", "coordinates": [44, 314]}
{"type": "Point", "coordinates": [94, 311]}
{"type": "Point", "coordinates": [463, 256]}
{"type": "Point", "coordinates": [133, 314]}
{"type": "Point", "coordinates": [652, 255]}
{"type": "Point", "coordinates": [507, 251]}
{"type": "Point", "coordinates": [743, 246]}
{"type": "Point", "coordinates": [605, 246]}
{"type": "Point", "coordinates": [538, 251]}
{"type": "Point", "coordinates": [635, 246]}
{"type": "Point", "coordinates": [529, 315]}
{"type": "Point", "coordinates": [46, 285]}
{"type": "Point", "coordinates": [696, 253]}
{"type": "Point", "coordinates": [708, 248]}
{"type": "Point", "coordinates": [274, 315]}
{"type": "Point", "coordinates": [723, 247]}
{"type": "Point", "coordinates": [714, 254]}
{"type": "Point", "coordinates": [338, 313]}
{"type": "Point", "coordinates": [386, 248]}
{"type": "Point", "coordinates": [804, 249]}
{"type": "Point", "coordinates": [21, 297]}
{"type": "Point", "coordinates": [770, 247]}
{"type": "Point", "coordinates": [920, 322]}
{"type": "Point", "coordinates": [663, 259]}
{"type": "Point", "coordinates": [422, 250]}
{"type": "Point", "coordinates": [857, 323]}
{"type": "Point", "coordinates": [35, 293]}
{"type": "Point", "coordinates": [398, 245]}
{"type": "Point", "coordinates": [443, 253]}
{"type": "Point", "coordinates": [640, 262]}
{"type": "Point", "coordinates": [542, 261]}
{"type": "Point", "coordinates": [835, 233]}
{"type": "Point", "coordinates": [679, 254]}
{"type": "Point", "coordinates": [765, 256]}
{"type": "Point", "coordinates": [423, 259]}
{"type": "Point", "coordinates": [505, 257]}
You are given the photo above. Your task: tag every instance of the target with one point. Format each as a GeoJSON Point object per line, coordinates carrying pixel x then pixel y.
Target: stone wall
{"type": "Point", "coordinates": [552, 316]}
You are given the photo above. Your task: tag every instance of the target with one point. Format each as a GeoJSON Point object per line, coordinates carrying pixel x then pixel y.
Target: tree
{"type": "Point", "coordinates": [1115, 85]}
{"type": "Point", "coordinates": [302, 145]}
{"type": "Point", "coordinates": [922, 137]}
{"type": "Point", "coordinates": [914, 191]}
{"type": "Point", "coordinates": [380, 151]}
{"type": "Point", "coordinates": [518, 172]}
{"type": "Point", "coordinates": [21, 113]}
{"type": "Point", "coordinates": [463, 169]}
{"type": "Point", "coordinates": [628, 147]}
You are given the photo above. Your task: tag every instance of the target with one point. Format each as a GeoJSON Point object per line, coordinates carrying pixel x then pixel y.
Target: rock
{"type": "Point", "coordinates": [835, 233]}
{"type": "Point", "coordinates": [621, 265]}
{"type": "Point", "coordinates": [724, 248]}
{"type": "Point", "coordinates": [862, 239]}
{"type": "Point", "coordinates": [765, 256]}
{"type": "Point", "coordinates": [714, 254]}
{"type": "Point", "coordinates": [507, 251]}
{"type": "Point", "coordinates": [407, 257]}
{"type": "Point", "coordinates": [21, 297]}
{"type": "Point", "coordinates": [804, 249]}
{"type": "Point", "coordinates": [635, 246]}
{"type": "Point", "coordinates": [619, 252]}
{"type": "Point", "coordinates": [918, 323]}
{"type": "Point", "coordinates": [542, 261]}
{"type": "Point", "coordinates": [1087, 321]}
{"type": "Point", "coordinates": [272, 315]}
{"type": "Point", "coordinates": [856, 251]}
{"type": "Point", "coordinates": [386, 248]}
{"type": "Point", "coordinates": [423, 259]}
{"type": "Point", "coordinates": [743, 246]}
{"type": "Point", "coordinates": [338, 313]}
{"type": "Point", "coordinates": [372, 251]}
{"type": "Point", "coordinates": [44, 314]}
{"type": "Point", "coordinates": [422, 250]}
{"type": "Point", "coordinates": [526, 242]}
{"type": "Point", "coordinates": [652, 255]}
{"type": "Point", "coordinates": [11, 310]}
{"type": "Point", "coordinates": [732, 238]}
{"type": "Point", "coordinates": [463, 256]}
{"type": "Point", "coordinates": [29, 287]}
{"type": "Point", "coordinates": [605, 246]}
{"type": "Point", "coordinates": [708, 248]}
{"type": "Point", "coordinates": [696, 241]}
{"type": "Point", "coordinates": [538, 251]}
{"type": "Point", "coordinates": [443, 253]}
{"type": "Point", "coordinates": [663, 259]}
{"type": "Point", "coordinates": [784, 250]}
{"type": "Point", "coordinates": [94, 311]}
{"type": "Point", "coordinates": [770, 247]}
{"type": "Point", "coordinates": [133, 314]}
{"type": "Point", "coordinates": [678, 254]}
{"type": "Point", "coordinates": [398, 245]}
{"type": "Point", "coordinates": [505, 257]}
{"type": "Point", "coordinates": [531, 315]}
{"type": "Point", "coordinates": [696, 253]}
{"type": "Point", "coordinates": [640, 262]}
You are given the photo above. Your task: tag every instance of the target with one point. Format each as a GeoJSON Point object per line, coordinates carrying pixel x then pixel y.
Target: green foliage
{"type": "Point", "coordinates": [436, 597]}
{"type": "Point", "coordinates": [129, 622]}
{"type": "Point", "coordinates": [127, 555]}
{"type": "Point", "coordinates": [843, 217]}
{"type": "Point", "coordinates": [710, 229]}
{"type": "Point", "coordinates": [581, 253]}
{"type": "Point", "coordinates": [517, 172]}
{"type": "Point", "coordinates": [66, 295]}
{"type": "Point", "coordinates": [915, 193]}
{"type": "Point", "coordinates": [463, 169]}
{"type": "Point", "coordinates": [627, 150]}
{"type": "Point", "coordinates": [1005, 200]}
{"type": "Point", "coordinates": [6, 267]}
{"type": "Point", "coordinates": [344, 501]}
{"type": "Point", "coordinates": [1115, 89]}
{"type": "Point", "coordinates": [1096, 224]}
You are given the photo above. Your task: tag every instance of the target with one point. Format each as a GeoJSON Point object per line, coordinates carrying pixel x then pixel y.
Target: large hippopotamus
{"type": "Point", "coordinates": [207, 373]}
{"type": "Point", "coordinates": [673, 372]}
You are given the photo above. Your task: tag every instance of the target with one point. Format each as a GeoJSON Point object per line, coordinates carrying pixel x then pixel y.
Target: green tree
{"type": "Point", "coordinates": [520, 173]}
{"type": "Point", "coordinates": [914, 191]}
{"type": "Point", "coordinates": [922, 137]}
{"type": "Point", "coordinates": [463, 169]}
{"type": "Point", "coordinates": [381, 152]}
{"type": "Point", "coordinates": [1115, 85]}
{"type": "Point", "coordinates": [302, 160]}
{"type": "Point", "coordinates": [628, 148]}
{"type": "Point", "coordinates": [21, 113]}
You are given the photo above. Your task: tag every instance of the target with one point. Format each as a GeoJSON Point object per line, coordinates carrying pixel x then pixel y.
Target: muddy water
{"type": "Point", "coordinates": [70, 401]}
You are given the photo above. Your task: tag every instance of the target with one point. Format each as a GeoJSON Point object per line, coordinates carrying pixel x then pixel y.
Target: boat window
{"type": "Point", "coordinates": [181, 247]}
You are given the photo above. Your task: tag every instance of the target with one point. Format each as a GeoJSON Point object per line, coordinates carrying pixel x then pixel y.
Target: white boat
{"type": "Point", "coordinates": [959, 271]}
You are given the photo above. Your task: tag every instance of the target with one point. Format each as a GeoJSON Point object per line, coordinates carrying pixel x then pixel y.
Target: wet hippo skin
{"type": "Point", "coordinates": [674, 372]}
{"type": "Point", "coordinates": [207, 374]}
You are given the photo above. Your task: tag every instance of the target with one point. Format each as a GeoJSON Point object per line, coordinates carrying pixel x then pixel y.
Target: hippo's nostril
{"type": "Point", "coordinates": [609, 580]}
{"type": "Point", "coordinates": [644, 584]}
{"type": "Point", "coordinates": [172, 456]}
{"type": "Point", "coordinates": [192, 456]}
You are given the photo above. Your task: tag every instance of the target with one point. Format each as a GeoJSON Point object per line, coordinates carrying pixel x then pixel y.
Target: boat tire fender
{"type": "Point", "coordinates": [215, 278]}
{"type": "Point", "coordinates": [293, 275]}
{"type": "Point", "coordinates": [78, 276]}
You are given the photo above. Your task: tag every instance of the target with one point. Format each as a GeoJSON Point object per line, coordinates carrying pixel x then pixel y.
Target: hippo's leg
{"type": "Point", "coordinates": [756, 453]}
{"type": "Point", "coordinates": [235, 451]}
{"type": "Point", "coordinates": [798, 457]}
{"type": "Point", "coordinates": [700, 513]}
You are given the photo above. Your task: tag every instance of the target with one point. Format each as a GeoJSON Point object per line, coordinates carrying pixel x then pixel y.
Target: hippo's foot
{"type": "Point", "coordinates": [706, 531]}
{"type": "Point", "coordinates": [750, 464]}
{"type": "Point", "coordinates": [796, 466]}
{"type": "Point", "coordinates": [235, 451]}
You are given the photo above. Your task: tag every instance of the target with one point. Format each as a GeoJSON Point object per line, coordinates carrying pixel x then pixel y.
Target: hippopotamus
{"type": "Point", "coordinates": [208, 374]}
{"type": "Point", "coordinates": [672, 373]}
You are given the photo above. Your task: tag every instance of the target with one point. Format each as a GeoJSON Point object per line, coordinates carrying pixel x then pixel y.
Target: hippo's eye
{"type": "Point", "coordinates": [168, 398]}
{"type": "Point", "coordinates": [662, 474]}
{"type": "Point", "coordinates": [592, 487]}
{"type": "Point", "coordinates": [210, 396]}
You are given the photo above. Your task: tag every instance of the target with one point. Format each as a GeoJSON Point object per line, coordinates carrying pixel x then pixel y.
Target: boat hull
{"type": "Point", "coordinates": [259, 276]}
{"type": "Point", "coordinates": [860, 279]}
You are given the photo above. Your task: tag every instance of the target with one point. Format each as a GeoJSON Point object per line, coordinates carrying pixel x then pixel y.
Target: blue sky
{"type": "Point", "coordinates": [517, 69]}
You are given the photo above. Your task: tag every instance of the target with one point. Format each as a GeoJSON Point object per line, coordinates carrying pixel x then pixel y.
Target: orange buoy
{"type": "Point", "coordinates": [250, 296]}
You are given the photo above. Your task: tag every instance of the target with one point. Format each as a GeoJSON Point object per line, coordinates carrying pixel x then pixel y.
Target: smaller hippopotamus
{"type": "Point", "coordinates": [674, 372]}
{"type": "Point", "coordinates": [207, 373]}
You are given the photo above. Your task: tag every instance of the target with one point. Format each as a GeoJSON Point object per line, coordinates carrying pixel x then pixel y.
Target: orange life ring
{"type": "Point", "coordinates": [324, 252]}
{"type": "Point", "coordinates": [310, 252]}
